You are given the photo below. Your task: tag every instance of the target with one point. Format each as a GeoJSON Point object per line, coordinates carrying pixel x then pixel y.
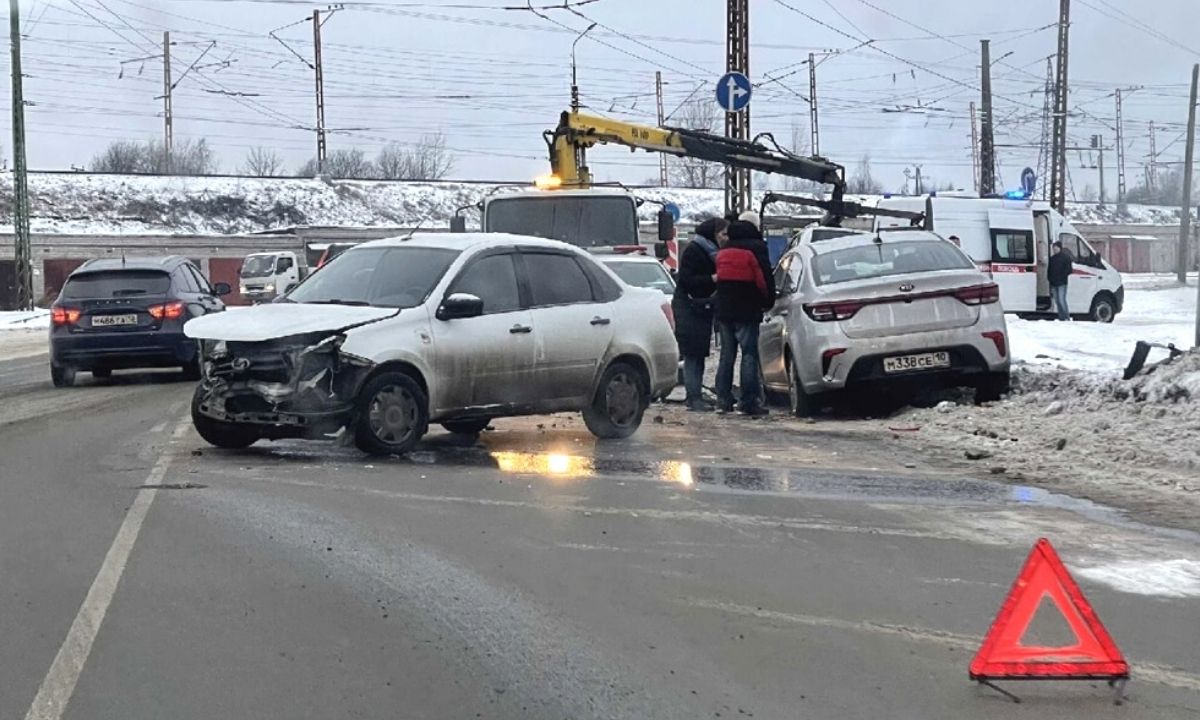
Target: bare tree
{"type": "Point", "coordinates": [263, 162]}
{"type": "Point", "coordinates": [862, 182]}
{"type": "Point", "coordinates": [427, 159]}
{"type": "Point", "coordinates": [344, 163]}
{"type": "Point", "coordinates": [691, 172]}
{"type": "Point", "coordinates": [150, 157]}
{"type": "Point", "coordinates": [121, 156]}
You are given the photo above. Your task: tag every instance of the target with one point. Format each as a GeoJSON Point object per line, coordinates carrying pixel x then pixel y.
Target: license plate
{"type": "Point", "coordinates": [111, 320]}
{"type": "Point", "coordinates": [923, 361]}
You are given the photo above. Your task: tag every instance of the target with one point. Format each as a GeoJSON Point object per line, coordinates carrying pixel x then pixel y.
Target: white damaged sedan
{"type": "Point", "coordinates": [456, 329]}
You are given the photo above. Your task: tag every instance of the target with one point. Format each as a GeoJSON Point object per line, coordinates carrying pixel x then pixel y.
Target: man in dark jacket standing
{"type": "Point", "coordinates": [1058, 273]}
{"type": "Point", "coordinates": [745, 288]}
{"type": "Point", "coordinates": [692, 306]}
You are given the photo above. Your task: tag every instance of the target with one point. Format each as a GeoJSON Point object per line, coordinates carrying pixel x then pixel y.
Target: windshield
{"type": "Point", "coordinates": [397, 277]}
{"type": "Point", "coordinates": [887, 258]}
{"type": "Point", "coordinates": [258, 266]}
{"type": "Point", "coordinates": [643, 274]}
{"type": "Point", "coordinates": [583, 221]}
{"type": "Point", "coordinates": [116, 283]}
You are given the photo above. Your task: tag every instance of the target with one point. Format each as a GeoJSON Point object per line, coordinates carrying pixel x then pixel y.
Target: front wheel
{"type": "Point", "coordinates": [472, 426]}
{"type": "Point", "coordinates": [219, 433]}
{"type": "Point", "coordinates": [1104, 309]}
{"type": "Point", "coordinates": [620, 401]}
{"type": "Point", "coordinates": [62, 375]}
{"type": "Point", "coordinates": [393, 414]}
{"type": "Point", "coordinates": [802, 404]}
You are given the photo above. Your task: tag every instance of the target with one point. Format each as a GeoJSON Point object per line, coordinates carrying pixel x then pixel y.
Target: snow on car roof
{"type": "Point", "coordinates": [464, 241]}
{"type": "Point", "coordinates": [631, 257]}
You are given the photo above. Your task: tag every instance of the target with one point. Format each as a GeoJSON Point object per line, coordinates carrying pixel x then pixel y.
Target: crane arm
{"type": "Point", "coordinates": [577, 132]}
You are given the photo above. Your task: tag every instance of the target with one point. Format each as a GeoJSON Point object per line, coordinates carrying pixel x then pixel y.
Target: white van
{"type": "Point", "coordinates": [266, 275]}
{"type": "Point", "coordinates": [1010, 240]}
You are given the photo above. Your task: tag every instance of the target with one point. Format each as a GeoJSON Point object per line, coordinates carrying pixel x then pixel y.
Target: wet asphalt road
{"type": "Point", "coordinates": [719, 568]}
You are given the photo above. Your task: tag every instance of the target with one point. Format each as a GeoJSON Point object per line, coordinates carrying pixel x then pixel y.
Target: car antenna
{"type": "Point", "coordinates": [414, 230]}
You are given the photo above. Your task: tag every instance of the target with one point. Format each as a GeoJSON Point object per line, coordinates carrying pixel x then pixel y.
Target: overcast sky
{"type": "Point", "coordinates": [492, 79]}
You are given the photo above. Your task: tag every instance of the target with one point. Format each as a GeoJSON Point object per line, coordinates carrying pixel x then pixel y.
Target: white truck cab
{"type": "Point", "coordinates": [265, 275]}
{"type": "Point", "coordinates": [1010, 239]}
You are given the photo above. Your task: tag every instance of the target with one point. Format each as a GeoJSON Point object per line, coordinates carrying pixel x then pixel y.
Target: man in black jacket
{"type": "Point", "coordinates": [692, 306]}
{"type": "Point", "coordinates": [1058, 273]}
{"type": "Point", "coordinates": [745, 288]}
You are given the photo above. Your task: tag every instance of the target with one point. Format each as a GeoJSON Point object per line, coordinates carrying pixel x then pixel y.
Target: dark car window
{"type": "Point", "coordinates": [583, 222]}
{"type": "Point", "coordinates": [116, 283]}
{"type": "Point", "coordinates": [201, 281]}
{"type": "Point", "coordinates": [1012, 246]}
{"type": "Point", "coordinates": [396, 277]}
{"type": "Point", "coordinates": [782, 277]}
{"type": "Point", "coordinates": [643, 274]}
{"type": "Point", "coordinates": [887, 258]}
{"type": "Point", "coordinates": [556, 280]}
{"type": "Point", "coordinates": [494, 280]}
{"type": "Point", "coordinates": [185, 279]}
{"type": "Point", "coordinates": [606, 289]}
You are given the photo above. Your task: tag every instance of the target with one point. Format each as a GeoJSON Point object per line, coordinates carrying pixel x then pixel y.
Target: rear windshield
{"type": "Point", "coordinates": [116, 283]}
{"type": "Point", "coordinates": [887, 258]}
{"type": "Point", "coordinates": [646, 275]}
{"type": "Point", "coordinates": [582, 221]}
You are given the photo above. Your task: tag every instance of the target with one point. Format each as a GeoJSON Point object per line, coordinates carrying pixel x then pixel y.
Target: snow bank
{"type": "Point", "coordinates": [84, 203]}
{"type": "Point", "coordinates": [24, 320]}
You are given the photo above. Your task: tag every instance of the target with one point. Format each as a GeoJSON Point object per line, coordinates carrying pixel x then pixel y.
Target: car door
{"type": "Point", "coordinates": [772, 336]}
{"type": "Point", "coordinates": [1085, 276]}
{"type": "Point", "coordinates": [572, 329]}
{"type": "Point", "coordinates": [486, 360]}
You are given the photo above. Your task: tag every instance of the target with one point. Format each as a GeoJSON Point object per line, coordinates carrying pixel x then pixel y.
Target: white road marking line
{"type": "Point", "coordinates": [1149, 672]}
{"type": "Point", "coordinates": [59, 684]}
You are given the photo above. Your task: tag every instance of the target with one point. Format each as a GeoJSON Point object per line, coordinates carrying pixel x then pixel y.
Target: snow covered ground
{"type": "Point", "coordinates": [24, 320]}
{"type": "Point", "coordinates": [85, 203]}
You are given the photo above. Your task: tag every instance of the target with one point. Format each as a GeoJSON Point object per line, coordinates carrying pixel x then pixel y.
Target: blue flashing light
{"type": "Point", "coordinates": [1015, 195]}
{"type": "Point", "coordinates": [886, 196]}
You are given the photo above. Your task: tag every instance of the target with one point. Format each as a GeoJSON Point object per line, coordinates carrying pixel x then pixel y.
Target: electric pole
{"type": "Point", "coordinates": [1120, 154]}
{"type": "Point", "coordinates": [1044, 150]}
{"type": "Point", "coordinates": [987, 150]}
{"type": "Point", "coordinates": [737, 124]}
{"type": "Point", "coordinates": [168, 130]}
{"type": "Point", "coordinates": [320, 76]}
{"type": "Point", "coordinates": [23, 252]}
{"type": "Point", "coordinates": [918, 182]}
{"type": "Point", "coordinates": [662, 157]}
{"type": "Point", "coordinates": [812, 105]}
{"type": "Point", "coordinates": [1098, 145]}
{"type": "Point", "coordinates": [1185, 215]}
{"type": "Point", "coordinates": [974, 150]}
{"type": "Point", "coordinates": [1151, 168]}
{"type": "Point", "coordinates": [1058, 161]}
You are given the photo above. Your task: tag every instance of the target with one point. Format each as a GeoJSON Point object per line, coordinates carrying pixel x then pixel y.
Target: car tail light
{"type": "Point", "coordinates": [60, 315]}
{"type": "Point", "coordinates": [666, 308]}
{"type": "Point", "coordinates": [999, 340]}
{"type": "Point", "coordinates": [167, 311]}
{"type": "Point", "coordinates": [827, 358]}
{"type": "Point", "coordinates": [843, 310]}
{"type": "Point", "coordinates": [979, 294]}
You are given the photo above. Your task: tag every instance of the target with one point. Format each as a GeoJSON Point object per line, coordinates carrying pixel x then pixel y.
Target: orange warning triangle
{"type": "Point", "coordinates": [1093, 655]}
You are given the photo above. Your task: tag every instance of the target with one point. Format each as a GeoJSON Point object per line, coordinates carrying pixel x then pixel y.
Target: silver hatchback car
{"type": "Point", "coordinates": [898, 307]}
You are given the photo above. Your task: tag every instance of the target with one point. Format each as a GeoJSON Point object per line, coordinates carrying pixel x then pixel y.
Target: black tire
{"type": "Point", "coordinates": [191, 371]}
{"type": "Point", "coordinates": [102, 373]}
{"type": "Point", "coordinates": [230, 436]}
{"type": "Point", "coordinates": [62, 375]}
{"type": "Point", "coordinates": [1104, 309]}
{"type": "Point", "coordinates": [393, 415]}
{"type": "Point", "coordinates": [472, 426]}
{"type": "Point", "coordinates": [992, 387]}
{"type": "Point", "coordinates": [801, 403]}
{"type": "Point", "coordinates": [620, 402]}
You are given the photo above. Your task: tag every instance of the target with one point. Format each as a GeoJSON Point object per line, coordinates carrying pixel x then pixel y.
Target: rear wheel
{"type": "Point", "coordinates": [102, 373]}
{"type": "Point", "coordinates": [230, 436]}
{"type": "Point", "coordinates": [992, 387]}
{"type": "Point", "coordinates": [800, 402]}
{"type": "Point", "coordinates": [62, 375]}
{"type": "Point", "coordinates": [472, 426]}
{"type": "Point", "coordinates": [393, 414]}
{"type": "Point", "coordinates": [620, 401]}
{"type": "Point", "coordinates": [1104, 309]}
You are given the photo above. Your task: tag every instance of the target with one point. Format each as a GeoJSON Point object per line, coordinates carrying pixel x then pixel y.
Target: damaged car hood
{"type": "Point", "coordinates": [269, 322]}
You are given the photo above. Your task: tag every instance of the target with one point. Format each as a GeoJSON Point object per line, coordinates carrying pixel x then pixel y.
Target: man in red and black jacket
{"type": "Point", "coordinates": [745, 288]}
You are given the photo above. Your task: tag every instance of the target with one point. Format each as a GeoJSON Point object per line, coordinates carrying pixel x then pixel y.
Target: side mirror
{"type": "Point", "coordinates": [457, 306]}
{"type": "Point", "coordinates": [666, 226]}
{"type": "Point", "coordinates": [221, 288]}
{"type": "Point", "coordinates": [661, 251]}
{"type": "Point", "coordinates": [458, 224]}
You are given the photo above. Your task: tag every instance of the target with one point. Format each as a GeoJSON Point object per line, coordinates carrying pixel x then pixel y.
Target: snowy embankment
{"type": "Point", "coordinates": [1073, 425]}
{"type": "Point", "coordinates": [84, 203]}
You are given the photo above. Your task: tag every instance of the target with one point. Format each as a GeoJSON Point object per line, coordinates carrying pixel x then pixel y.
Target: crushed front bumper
{"type": "Point", "coordinates": [296, 386]}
